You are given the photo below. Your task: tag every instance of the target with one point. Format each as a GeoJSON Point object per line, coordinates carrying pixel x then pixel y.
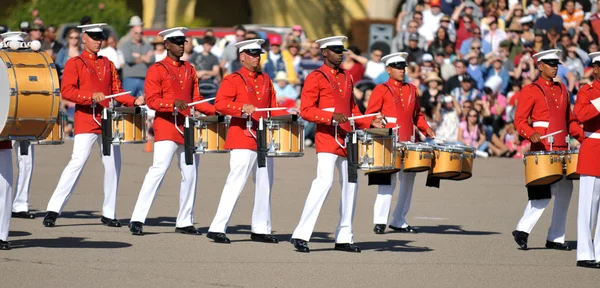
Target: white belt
{"type": "Point", "coordinates": [390, 119]}
{"type": "Point", "coordinates": [541, 124]}
{"type": "Point", "coordinates": [593, 135]}
{"type": "Point", "coordinates": [328, 109]}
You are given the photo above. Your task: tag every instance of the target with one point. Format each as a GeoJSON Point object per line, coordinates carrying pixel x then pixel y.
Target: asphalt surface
{"type": "Point", "coordinates": [464, 238]}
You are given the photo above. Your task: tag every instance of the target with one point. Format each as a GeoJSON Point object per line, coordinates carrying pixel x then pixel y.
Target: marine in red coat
{"type": "Point", "coordinates": [327, 97]}
{"type": "Point", "coordinates": [86, 81]}
{"type": "Point", "coordinates": [239, 95]}
{"type": "Point", "coordinates": [399, 103]}
{"type": "Point", "coordinates": [6, 179]}
{"type": "Point", "coordinates": [547, 104]}
{"type": "Point", "coordinates": [169, 86]}
{"type": "Point", "coordinates": [587, 109]}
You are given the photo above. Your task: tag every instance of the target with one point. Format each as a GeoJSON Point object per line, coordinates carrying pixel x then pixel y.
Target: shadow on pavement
{"type": "Point", "coordinates": [449, 230]}
{"type": "Point", "coordinates": [384, 246]}
{"type": "Point", "coordinates": [67, 242]}
{"type": "Point", "coordinates": [18, 234]}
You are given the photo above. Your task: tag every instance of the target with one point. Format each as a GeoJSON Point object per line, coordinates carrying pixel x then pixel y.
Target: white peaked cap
{"type": "Point", "coordinates": [10, 36]}
{"type": "Point", "coordinates": [92, 27]}
{"type": "Point", "coordinates": [332, 41]}
{"type": "Point", "coordinates": [173, 32]}
{"type": "Point", "coordinates": [553, 54]}
{"type": "Point", "coordinates": [594, 56]}
{"type": "Point", "coordinates": [394, 58]}
{"type": "Point", "coordinates": [494, 83]}
{"type": "Point", "coordinates": [252, 44]}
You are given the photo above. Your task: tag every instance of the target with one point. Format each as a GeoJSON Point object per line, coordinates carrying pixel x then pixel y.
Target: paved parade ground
{"type": "Point", "coordinates": [464, 238]}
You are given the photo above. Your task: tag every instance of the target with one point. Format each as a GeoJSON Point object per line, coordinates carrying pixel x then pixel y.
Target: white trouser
{"type": "Point", "coordinates": [242, 163]}
{"type": "Point", "coordinates": [82, 147]}
{"type": "Point", "coordinates": [24, 172]}
{"type": "Point", "coordinates": [589, 203]}
{"type": "Point", "coordinates": [6, 180]}
{"type": "Point", "coordinates": [383, 201]}
{"type": "Point", "coordinates": [319, 190]}
{"type": "Point", "coordinates": [561, 191]}
{"type": "Point", "coordinates": [163, 155]}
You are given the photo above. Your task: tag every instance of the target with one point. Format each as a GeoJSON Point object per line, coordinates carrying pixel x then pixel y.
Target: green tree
{"type": "Point", "coordinates": [113, 12]}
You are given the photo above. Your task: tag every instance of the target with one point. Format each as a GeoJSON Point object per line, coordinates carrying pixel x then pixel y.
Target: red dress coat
{"type": "Point", "coordinates": [401, 101]}
{"type": "Point", "coordinates": [237, 89]}
{"type": "Point", "coordinates": [167, 81]}
{"type": "Point", "coordinates": [6, 145]}
{"type": "Point", "coordinates": [83, 76]}
{"type": "Point", "coordinates": [331, 89]}
{"type": "Point", "coordinates": [549, 111]}
{"type": "Point", "coordinates": [587, 113]}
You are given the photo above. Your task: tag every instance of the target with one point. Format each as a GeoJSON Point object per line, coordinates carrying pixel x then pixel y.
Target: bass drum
{"type": "Point", "coordinates": [29, 95]}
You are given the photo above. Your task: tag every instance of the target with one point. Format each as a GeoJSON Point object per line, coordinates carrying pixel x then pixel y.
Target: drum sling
{"type": "Point", "coordinates": [107, 137]}
{"type": "Point", "coordinates": [379, 179]}
{"type": "Point", "coordinates": [189, 146]}
{"type": "Point", "coordinates": [539, 192]}
{"type": "Point", "coordinates": [261, 147]}
{"type": "Point", "coordinates": [352, 157]}
{"type": "Point", "coordinates": [24, 146]}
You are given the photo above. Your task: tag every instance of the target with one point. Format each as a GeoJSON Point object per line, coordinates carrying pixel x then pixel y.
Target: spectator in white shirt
{"type": "Point", "coordinates": [431, 20]}
{"type": "Point", "coordinates": [109, 51]}
{"type": "Point", "coordinates": [491, 33]}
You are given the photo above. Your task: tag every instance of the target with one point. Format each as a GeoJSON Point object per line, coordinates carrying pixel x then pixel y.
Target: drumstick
{"type": "Point", "coordinates": [201, 101]}
{"type": "Point", "coordinates": [548, 135]}
{"type": "Point", "coordinates": [363, 116]}
{"type": "Point", "coordinates": [118, 94]}
{"type": "Point", "coordinates": [269, 109]}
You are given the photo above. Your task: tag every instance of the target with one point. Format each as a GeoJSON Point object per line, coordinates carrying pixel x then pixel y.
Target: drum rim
{"type": "Point", "coordinates": [407, 145]}
{"type": "Point", "coordinates": [535, 153]}
{"type": "Point", "coordinates": [464, 147]}
{"type": "Point", "coordinates": [4, 102]}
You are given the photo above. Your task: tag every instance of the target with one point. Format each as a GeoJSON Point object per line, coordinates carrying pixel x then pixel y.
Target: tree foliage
{"type": "Point", "coordinates": [113, 12]}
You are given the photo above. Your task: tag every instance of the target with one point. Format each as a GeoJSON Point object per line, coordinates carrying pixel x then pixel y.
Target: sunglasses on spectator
{"type": "Point", "coordinates": [476, 47]}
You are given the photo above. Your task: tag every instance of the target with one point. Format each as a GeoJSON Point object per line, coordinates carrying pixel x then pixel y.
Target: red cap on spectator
{"type": "Point", "coordinates": [275, 40]}
{"type": "Point", "coordinates": [435, 3]}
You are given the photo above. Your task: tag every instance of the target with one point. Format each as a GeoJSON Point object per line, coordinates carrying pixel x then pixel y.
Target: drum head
{"type": "Point", "coordinates": [417, 146]}
{"type": "Point", "coordinates": [448, 148]}
{"type": "Point", "coordinates": [4, 94]}
{"type": "Point", "coordinates": [464, 147]}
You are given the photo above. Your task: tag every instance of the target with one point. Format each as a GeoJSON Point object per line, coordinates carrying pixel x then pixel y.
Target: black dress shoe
{"type": "Point", "coordinates": [110, 222]}
{"type": "Point", "coordinates": [347, 247]}
{"type": "Point", "coordinates": [136, 228]}
{"type": "Point", "coordinates": [267, 238]}
{"type": "Point", "coordinates": [558, 246]}
{"type": "Point", "coordinates": [5, 245]}
{"type": "Point", "coordinates": [379, 229]}
{"type": "Point", "coordinates": [408, 229]}
{"type": "Point", "coordinates": [218, 237]}
{"type": "Point", "coordinates": [588, 264]}
{"type": "Point", "coordinates": [521, 239]}
{"type": "Point", "coordinates": [300, 245]}
{"type": "Point", "coordinates": [190, 230]}
{"type": "Point", "coordinates": [23, 214]}
{"type": "Point", "coordinates": [50, 219]}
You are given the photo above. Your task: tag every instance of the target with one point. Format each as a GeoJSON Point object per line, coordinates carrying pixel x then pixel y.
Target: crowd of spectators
{"type": "Point", "coordinates": [469, 58]}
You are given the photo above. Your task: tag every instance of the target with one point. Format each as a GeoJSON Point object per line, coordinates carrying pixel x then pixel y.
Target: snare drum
{"type": "Point", "coordinates": [376, 151]}
{"type": "Point", "coordinates": [29, 95]}
{"type": "Point", "coordinates": [468, 157]}
{"type": "Point", "coordinates": [447, 161]}
{"type": "Point", "coordinates": [543, 167]}
{"type": "Point", "coordinates": [56, 136]}
{"type": "Point", "coordinates": [571, 164]}
{"type": "Point", "coordinates": [129, 125]}
{"type": "Point", "coordinates": [211, 132]}
{"type": "Point", "coordinates": [285, 136]}
{"type": "Point", "coordinates": [416, 156]}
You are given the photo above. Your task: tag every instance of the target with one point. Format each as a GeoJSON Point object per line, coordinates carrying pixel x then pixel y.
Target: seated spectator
{"type": "Point", "coordinates": [284, 90]}
{"type": "Point", "coordinates": [466, 91]}
{"type": "Point", "coordinates": [513, 141]}
{"type": "Point", "coordinates": [352, 65]}
{"type": "Point", "coordinates": [572, 17]}
{"type": "Point", "coordinates": [447, 115]}
{"type": "Point", "coordinates": [72, 49]}
{"type": "Point", "coordinates": [160, 52]}
{"type": "Point", "coordinates": [470, 133]}
{"type": "Point", "coordinates": [496, 104]}
{"type": "Point", "coordinates": [415, 53]}
{"type": "Point", "coordinates": [433, 93]}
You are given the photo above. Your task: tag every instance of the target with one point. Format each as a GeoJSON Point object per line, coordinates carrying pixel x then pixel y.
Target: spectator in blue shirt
{"type": "Point", "coordinates": [550, 20]}
{"type": "Point", "coordinates": [493, 66]}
